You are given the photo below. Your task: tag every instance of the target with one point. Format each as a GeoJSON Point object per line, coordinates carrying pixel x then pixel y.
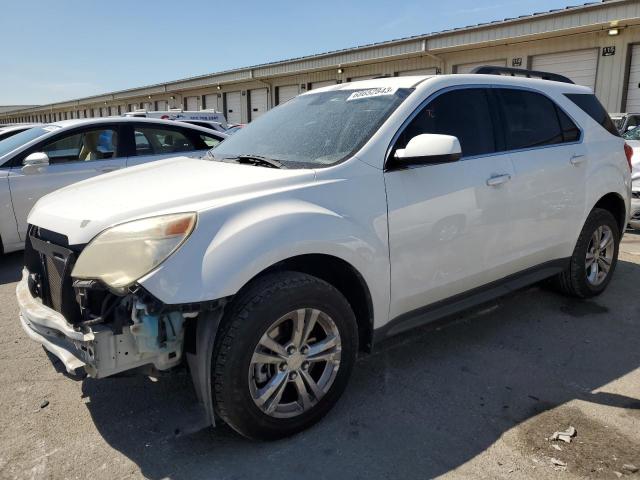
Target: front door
{"type": "Point", "coordinates": [450, 223]}
{"type": "Point", "coordinates": [73, 156]}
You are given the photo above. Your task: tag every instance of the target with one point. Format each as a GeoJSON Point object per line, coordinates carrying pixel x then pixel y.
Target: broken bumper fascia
{"type": "Point", "coordinates": [98, 350]}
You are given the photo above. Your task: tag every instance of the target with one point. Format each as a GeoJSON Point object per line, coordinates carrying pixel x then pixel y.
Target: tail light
{"type": "Point", "coordinates": [628, 151]}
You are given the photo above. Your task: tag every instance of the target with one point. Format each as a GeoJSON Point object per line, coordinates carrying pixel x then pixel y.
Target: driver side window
{"type": "Point", "coordinates": [462, 113]}
{"type": "Point", "coordinates": [89, 145]}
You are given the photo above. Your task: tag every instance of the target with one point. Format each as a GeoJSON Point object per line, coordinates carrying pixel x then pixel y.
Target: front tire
{"type": "Point", "coordinates": [284, 354]}
{"type": "Point", "coordinates": [594, 258]}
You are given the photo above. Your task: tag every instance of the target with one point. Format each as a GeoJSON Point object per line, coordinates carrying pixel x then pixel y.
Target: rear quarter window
{"type": "Point", "coordinates": [592, 107]}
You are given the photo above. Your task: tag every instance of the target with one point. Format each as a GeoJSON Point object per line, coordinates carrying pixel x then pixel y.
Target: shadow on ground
{"type": "Point", "coordinates": [10, 267]}
{"type": "Point", "coordinates": [425, 403]}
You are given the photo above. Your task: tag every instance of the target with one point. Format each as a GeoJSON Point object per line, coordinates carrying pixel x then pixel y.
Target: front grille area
{"type": "Point", "coordinates": [50, 260]}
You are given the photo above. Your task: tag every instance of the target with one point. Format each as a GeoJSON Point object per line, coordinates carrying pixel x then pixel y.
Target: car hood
{"type": "Point", "coordinates": [82, 210]}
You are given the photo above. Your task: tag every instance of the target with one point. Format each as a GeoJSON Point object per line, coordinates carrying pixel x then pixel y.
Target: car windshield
{"type": "Point", "coordinates": [314, 130]}
{"type": "Point", "coordinates": [628, 135]}
{"type": "Point", "coordinates": [9, 144]}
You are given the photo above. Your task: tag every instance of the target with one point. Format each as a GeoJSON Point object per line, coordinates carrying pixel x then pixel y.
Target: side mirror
{"type": "Point", "coordinates": [429, 148]}
{"type": "Point", "coordinates": [34, 161]}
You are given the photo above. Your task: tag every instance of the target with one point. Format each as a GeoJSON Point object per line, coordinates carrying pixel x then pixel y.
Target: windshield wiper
{"type": "Point", "coordinates": [257, 160]}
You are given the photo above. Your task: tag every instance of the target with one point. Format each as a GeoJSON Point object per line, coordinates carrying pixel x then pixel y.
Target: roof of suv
{"type": "Point", "coordinates": [414, 81]}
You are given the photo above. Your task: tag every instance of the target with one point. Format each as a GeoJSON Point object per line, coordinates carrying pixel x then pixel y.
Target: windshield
{"type": "Point", "coordinates": [316, 129]}
{"type": "Point", "coordinates": [9, 144]}
{"type": "Point", "coordinates": [629, 135]}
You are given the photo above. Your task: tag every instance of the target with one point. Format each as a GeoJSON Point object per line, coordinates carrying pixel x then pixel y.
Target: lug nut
{"type": "Point", "coordinates": [304, 350]}
{"type": "Point", "coordinates": [293, 376]}
{"type": "Point", "coordinates": [282, 367]}
{"type": "Point", "coordinates": [305, 365]}
{"type": "Point", "coordinates": [291, 350]}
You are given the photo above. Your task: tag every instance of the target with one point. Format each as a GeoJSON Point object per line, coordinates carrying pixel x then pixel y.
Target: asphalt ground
{"type": "Point", "coordinates": [475, 396]}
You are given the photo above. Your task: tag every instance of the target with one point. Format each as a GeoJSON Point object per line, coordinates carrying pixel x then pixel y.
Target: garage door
{"type": "Point", "coordinates": [633, 87]}
{"type": "Point", "coordinates": [257, 102]}
{"type": "Point", "coordinates": [191, 104]}
{"type": "Point", "coordinates": [420, 71]}
{"type": "Point", "coordinates": [286, 93]}
{"type": "Point", "coordinates": [325, 83]}
{"type": "Point", "coordinates": [211, 102]}
{"type": "Point", "coordinates": [579, 65]}
{"type": "Point", "coordinates": [467, 67]}
{"type": "Point", "coordinates": [161, 105]}
{"type": "Point", "coordinates": [233, 107]}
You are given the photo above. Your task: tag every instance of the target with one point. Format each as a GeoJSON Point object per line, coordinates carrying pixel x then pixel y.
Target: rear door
{"type": "Point", "coordinates": [155, 142]}
{"type": "Point", "coordinates": [450, 224]}
{"type": "Point", "coordinates": [549, 161]}
{"type": "Point", "coordinates": [73, 156]}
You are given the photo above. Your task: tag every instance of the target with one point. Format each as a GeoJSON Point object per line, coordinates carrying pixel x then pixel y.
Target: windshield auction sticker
{"type": "Point", "coordinates": [371, 92]}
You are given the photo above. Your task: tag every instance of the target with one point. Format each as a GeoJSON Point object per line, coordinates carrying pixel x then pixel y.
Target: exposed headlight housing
{"type": "Point", "coordinates": [125, 253]}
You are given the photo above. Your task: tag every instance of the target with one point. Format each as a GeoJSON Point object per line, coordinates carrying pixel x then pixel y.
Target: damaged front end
{"type": "Point", "coordinates": [89, 327]}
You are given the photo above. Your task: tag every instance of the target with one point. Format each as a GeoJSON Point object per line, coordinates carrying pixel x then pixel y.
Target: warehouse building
{"type": "Point", "coordinates": [596, 44]}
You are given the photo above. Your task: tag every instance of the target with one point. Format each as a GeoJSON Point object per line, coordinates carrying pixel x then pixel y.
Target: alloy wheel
{"type": "Point", "coordinates": [295, 363]}
{"type": "Point", "coordinates": [599, 255]}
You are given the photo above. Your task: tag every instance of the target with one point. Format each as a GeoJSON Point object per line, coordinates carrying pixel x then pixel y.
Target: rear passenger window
{"type": "Point", "coordinates": [530, 119]}
{"type": "Point", "coordinates": [570, 132]}
{"type": "Point", "coordinates": [462, 113]}
{"type": "Point", "coordinates": [592, 107]}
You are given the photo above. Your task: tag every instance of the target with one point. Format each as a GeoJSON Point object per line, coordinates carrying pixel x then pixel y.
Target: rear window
{"type": "Point", "coordinates": [592, 107]}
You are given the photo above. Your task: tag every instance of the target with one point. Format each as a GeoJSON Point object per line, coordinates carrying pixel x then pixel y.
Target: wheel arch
{"type": "Point", "coordinates": [614, 204]}
{"type": "Point", "coordinates": [344, 277]}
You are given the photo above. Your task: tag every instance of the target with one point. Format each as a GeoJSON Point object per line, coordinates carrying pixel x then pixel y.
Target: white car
{"type": "Point", "coordinates": [346, 215]}
{"type": "Point", "coordinates": [633, 140]}
{"type": "Point", "coordinates": [43, 158]}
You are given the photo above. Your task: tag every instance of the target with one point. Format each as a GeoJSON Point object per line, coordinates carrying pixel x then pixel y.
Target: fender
{"type": "Point", "coordinates": [234, 243]}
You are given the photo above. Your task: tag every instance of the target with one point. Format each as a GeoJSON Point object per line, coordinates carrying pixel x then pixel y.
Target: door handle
{"type": "Point", "coordinates": [107, 169]}
{"type": "Point", "coordinates": [577, 160]}
{"type": "Point", "coordinates": [498, 180]}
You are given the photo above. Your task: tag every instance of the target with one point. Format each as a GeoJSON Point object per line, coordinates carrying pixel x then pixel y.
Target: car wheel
{"type": "Point", "coordinates": [594, 257]}
{"type": "Point", "coordinates": [283, 355]}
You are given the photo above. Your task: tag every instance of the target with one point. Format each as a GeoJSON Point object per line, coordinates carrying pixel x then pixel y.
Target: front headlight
{"type": "Point", "coordinates": [122, 254]}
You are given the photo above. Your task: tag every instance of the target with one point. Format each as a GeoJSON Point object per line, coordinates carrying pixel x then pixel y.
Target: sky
{"type": "Point", "coordinates": [66, 49]}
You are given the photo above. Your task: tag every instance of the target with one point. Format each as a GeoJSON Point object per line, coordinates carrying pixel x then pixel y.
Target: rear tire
{"type": "Point", "coordinates": [283, 355]}
{"type": "Point", "coordinates": [594, 257]}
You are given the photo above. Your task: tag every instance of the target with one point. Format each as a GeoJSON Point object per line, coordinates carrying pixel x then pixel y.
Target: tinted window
{"type": "Point", "coordinates": [157, 141]}
{"type": "Point", "coordinates": [462, 113]}
{"type": "Point", "coordinates": [570, 132]}
{"type": "Point", "coordinates": [592, 107]}
{"type": "Point", "coordinates": [97, 144]}
{"type": "Point", "coordinates": [209, 141]}
{"type": "Point", "coordinates": [529, 119]}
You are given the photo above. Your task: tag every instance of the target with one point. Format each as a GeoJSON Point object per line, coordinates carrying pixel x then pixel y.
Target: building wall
{"type": "Point", "coordinates": [564, 32]}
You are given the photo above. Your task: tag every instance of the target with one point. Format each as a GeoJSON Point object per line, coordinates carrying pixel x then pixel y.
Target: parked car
{"type": "Point", "coordinates": [47, 157]}
{"type": "Point", "coordinates": [346, 215]}
{"type": "Point", "coordinates": [209, 118]}
{"type": "Point", "coordinates": [234, 128]}
{"type": "Point", "coordinates": [625, 122]}
{"type": "Point", "coordinates": [6, 132]}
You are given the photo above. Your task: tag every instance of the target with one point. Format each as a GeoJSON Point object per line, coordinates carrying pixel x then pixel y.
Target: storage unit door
{"type": "Point", "coordinates": [233, 107]}
{"type": "Point", "coordinates": [211, 102]}
{"type": "Point", "coordinates": [467, 67]}
{"type": "Point", "coordinates": [420, 71]}
{"type": "Point", "coordinates": [161, 105]}
{"type": "Point", "coordinates": [580, 65]}
{"type": "Point", "coordinates": [633, 88]}
{"type": "Point", "coordinates": [191, 104]}
{"type": "Point", "coordinates": [286, 93]}
{"type": "Point", "coordinates": [257, 103]}
{"type": "Point", "coordinates": [324, 83]}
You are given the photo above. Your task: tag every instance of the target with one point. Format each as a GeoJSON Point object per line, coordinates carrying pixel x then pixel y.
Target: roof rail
{"type": "Point", "coordinates": [520, 72]}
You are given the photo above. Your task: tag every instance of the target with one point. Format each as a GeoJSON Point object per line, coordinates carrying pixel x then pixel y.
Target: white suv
{"type": "Point", "coordinates": [342, 217]}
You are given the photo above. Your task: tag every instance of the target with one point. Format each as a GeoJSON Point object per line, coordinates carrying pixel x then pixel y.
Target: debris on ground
{"type": "Point", "coordinates": [557, 447]}
{"type": "Point", "coordinates": [629, 467]}
{"type": "Point", "coordinates": [617, 474]}
{"type": "Point", "coordinates": [564, 436]}
{"type": "Point", "coordinates": [558, 463]}
{"type": "Point", "coordinates": [44, 404]}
